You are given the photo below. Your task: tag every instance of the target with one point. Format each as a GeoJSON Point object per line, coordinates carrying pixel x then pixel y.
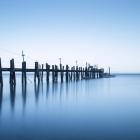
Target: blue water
{"type": "Point", "coordinates": [85, 110]}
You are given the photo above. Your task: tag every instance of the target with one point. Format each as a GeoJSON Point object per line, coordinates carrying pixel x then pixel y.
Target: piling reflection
{"type": "Point", "coordinates": [1, 97]}
{"type": "Point", "coordinates": [24, 94]}
{"type": "Point", "coordinates": [12, 95]}
{"type": "Point", "coordinates": [61, 89]}
{"type": "Point", "coordinates": [67, 88]}
{"type": "Point", "coordinates": [54, 88]}
{"type": "Point", "coordinates": [37, 90]}
{"type": "Point", "coordinates": [47, 90]}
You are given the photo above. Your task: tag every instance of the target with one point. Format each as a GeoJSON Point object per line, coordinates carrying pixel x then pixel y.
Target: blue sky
{"type": "Point", "coordinates": [103, 32]}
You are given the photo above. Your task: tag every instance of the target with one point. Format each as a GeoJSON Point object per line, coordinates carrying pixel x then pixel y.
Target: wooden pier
{"type": "Point", "coordinates": [66, 73]}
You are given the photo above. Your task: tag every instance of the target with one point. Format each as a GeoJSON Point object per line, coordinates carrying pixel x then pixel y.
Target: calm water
{"type": "Point", "coordinates": [87, 109]}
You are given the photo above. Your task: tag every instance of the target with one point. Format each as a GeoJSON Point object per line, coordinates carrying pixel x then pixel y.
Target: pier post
{"type": "Point", "coordinates": [76, 72]}
{"type": "Point", "coordinates": [12, 72]}
{"type": "Point", "coordinates": [74, 77]}
{"type": "Point", "coordinates": [71, 73]}
{"type": "Point", "coordinates": [56, 73]}
{"type": "Point", "coordinates": [53, 78]}
{"type": "Point", "coordinates": [37, 74]}
{"type": "Point", "coordinates": [1, 77]}
{"type": "Point", "coordinates": [47, 72]}
{"type": "Point", "coordinates": [86, 73]}
{"type": "Point", "coordinates": [67, 73]}
{"type": "Point", "coordinates": [101, 72]}
{"type": "Point", "coordinates": [61, 72]}
{"type": "Point", "coordinates": [24, 72]}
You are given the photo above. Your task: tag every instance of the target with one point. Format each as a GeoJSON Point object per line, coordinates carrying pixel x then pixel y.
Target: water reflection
{"type": "Point", "coordinates": [1, 96]}
{"type": "Point", "coordinates": [61, 89]}
{"type": "Point", "coordinates": [12, 95]}
{"type": "Point", "coordinates": [24, 94]}
{"type": "Point", "coordinates": [67, 88]}
{"type": "Point", "coordinates": [47, 90]}
{"type": "Point", "coordinates": [37, 89]}
{"type": "Point", "coordinates": [54, 88]}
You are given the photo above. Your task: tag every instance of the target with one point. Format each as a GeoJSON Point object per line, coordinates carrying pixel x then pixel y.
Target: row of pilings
{"type": "Point", "coordinates": [64, 73]}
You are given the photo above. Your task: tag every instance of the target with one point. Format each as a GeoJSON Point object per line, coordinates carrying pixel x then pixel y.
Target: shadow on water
{"type": "Point", "coordinates": [61, 89]}
{"type": "Point", "coordinates": [37, 90]}
{"type": "Point", "coordinates": [12, 95]}
{"type": "Point", "coordinates": [54, 88]}
{"type": "Point", "coordinates": [1, 96]}
{"type": "Point", "coordinates": [67, 88]}
{"type": "Point", "coordinates": [47, 89]}
{"type": "Point", "coordinates": [24, 94]}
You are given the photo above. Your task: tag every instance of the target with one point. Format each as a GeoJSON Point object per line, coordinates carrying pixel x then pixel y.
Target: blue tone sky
{"type": "Point", "coordinates": [103, 32]}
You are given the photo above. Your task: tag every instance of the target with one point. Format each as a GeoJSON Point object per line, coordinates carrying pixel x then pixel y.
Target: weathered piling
{"type": "Point", "coordinates": [36, 73]}
{"type": "Point", "coordinates": [77, 76]}
{"type": "Point", "coordinates": [1, 77]}
{"type": "Point", "coordinates": [67, 73]}
{"type": "Point", "coordinates": [101, 72]}
{"type": "Point", "coordinates": [83, 73]}
{"type": "Point", "coordinates": [61, 73]}
{"type": "Point", "coordinates": [71, 73]}
{"type": "Point", "coordinates": [24, 77]}
{"type": "Point", "coordinates": [56, 73]}
{"type": "Point", "coordinates": [93, 75]}
{"type": "Point", "coordinates": [47, 72]}
{"type": "Point", "coordinates": [74, 76]}
{"type": "Point", "coordinates": [86, 73]}
{"type": "Point", "coordinates": [12, 72]}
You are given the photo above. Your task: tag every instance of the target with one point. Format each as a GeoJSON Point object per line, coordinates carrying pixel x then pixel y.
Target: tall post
{"type": "Point", "coordinates": [53, 78]}
{"type": "Point", "coordinates": [47, 72]}
{"type": "Point", "coordinates": [67, 73]}
{"type": "Point", "coordinates": [56, 73]}
{"type": "Point", "coordinates": [36, 75]}
{"type": "Point", "coordinates": [76, 72]}
{"type": "Point", "coordinates": [62, 72]}
{"type": "Point", "coordinates": [24, 72]}
{"type": "Point", "coordinates": [74, 77]}
{"type": "Point", "coordinates": [12, 73]}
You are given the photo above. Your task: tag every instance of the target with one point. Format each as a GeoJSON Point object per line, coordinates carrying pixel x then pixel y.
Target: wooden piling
{"type": "Point", "coordinates": [74, 76]}
{"type": "Point", "coordinates": [53, 78]}
{"type": "Point", "coordinates": [61, 73]}
{"type": "Point", "coordinates": [67, 73]}
{"type": "Point", "coordinates": [36, 73]}
{"type": "Point", "coordinates": [12, 73]}
{"type": "Point", "coordinates": [56, 73]}
{"type": "Point", "coordinates": [76, 72]}
{"type": "Point", "coordinates": [47, 72]}
{"type": "Point", "coordinates": [24, 72]}
{"type": "Point", "coordinates": [71, 73]}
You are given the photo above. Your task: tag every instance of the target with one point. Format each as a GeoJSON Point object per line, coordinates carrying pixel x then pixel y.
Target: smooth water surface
{"type": "Point", "coordinates": [88, 109]}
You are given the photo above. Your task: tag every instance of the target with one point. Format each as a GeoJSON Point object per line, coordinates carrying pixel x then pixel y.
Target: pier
{"type": "Point", "coordinates": [64, 73]}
